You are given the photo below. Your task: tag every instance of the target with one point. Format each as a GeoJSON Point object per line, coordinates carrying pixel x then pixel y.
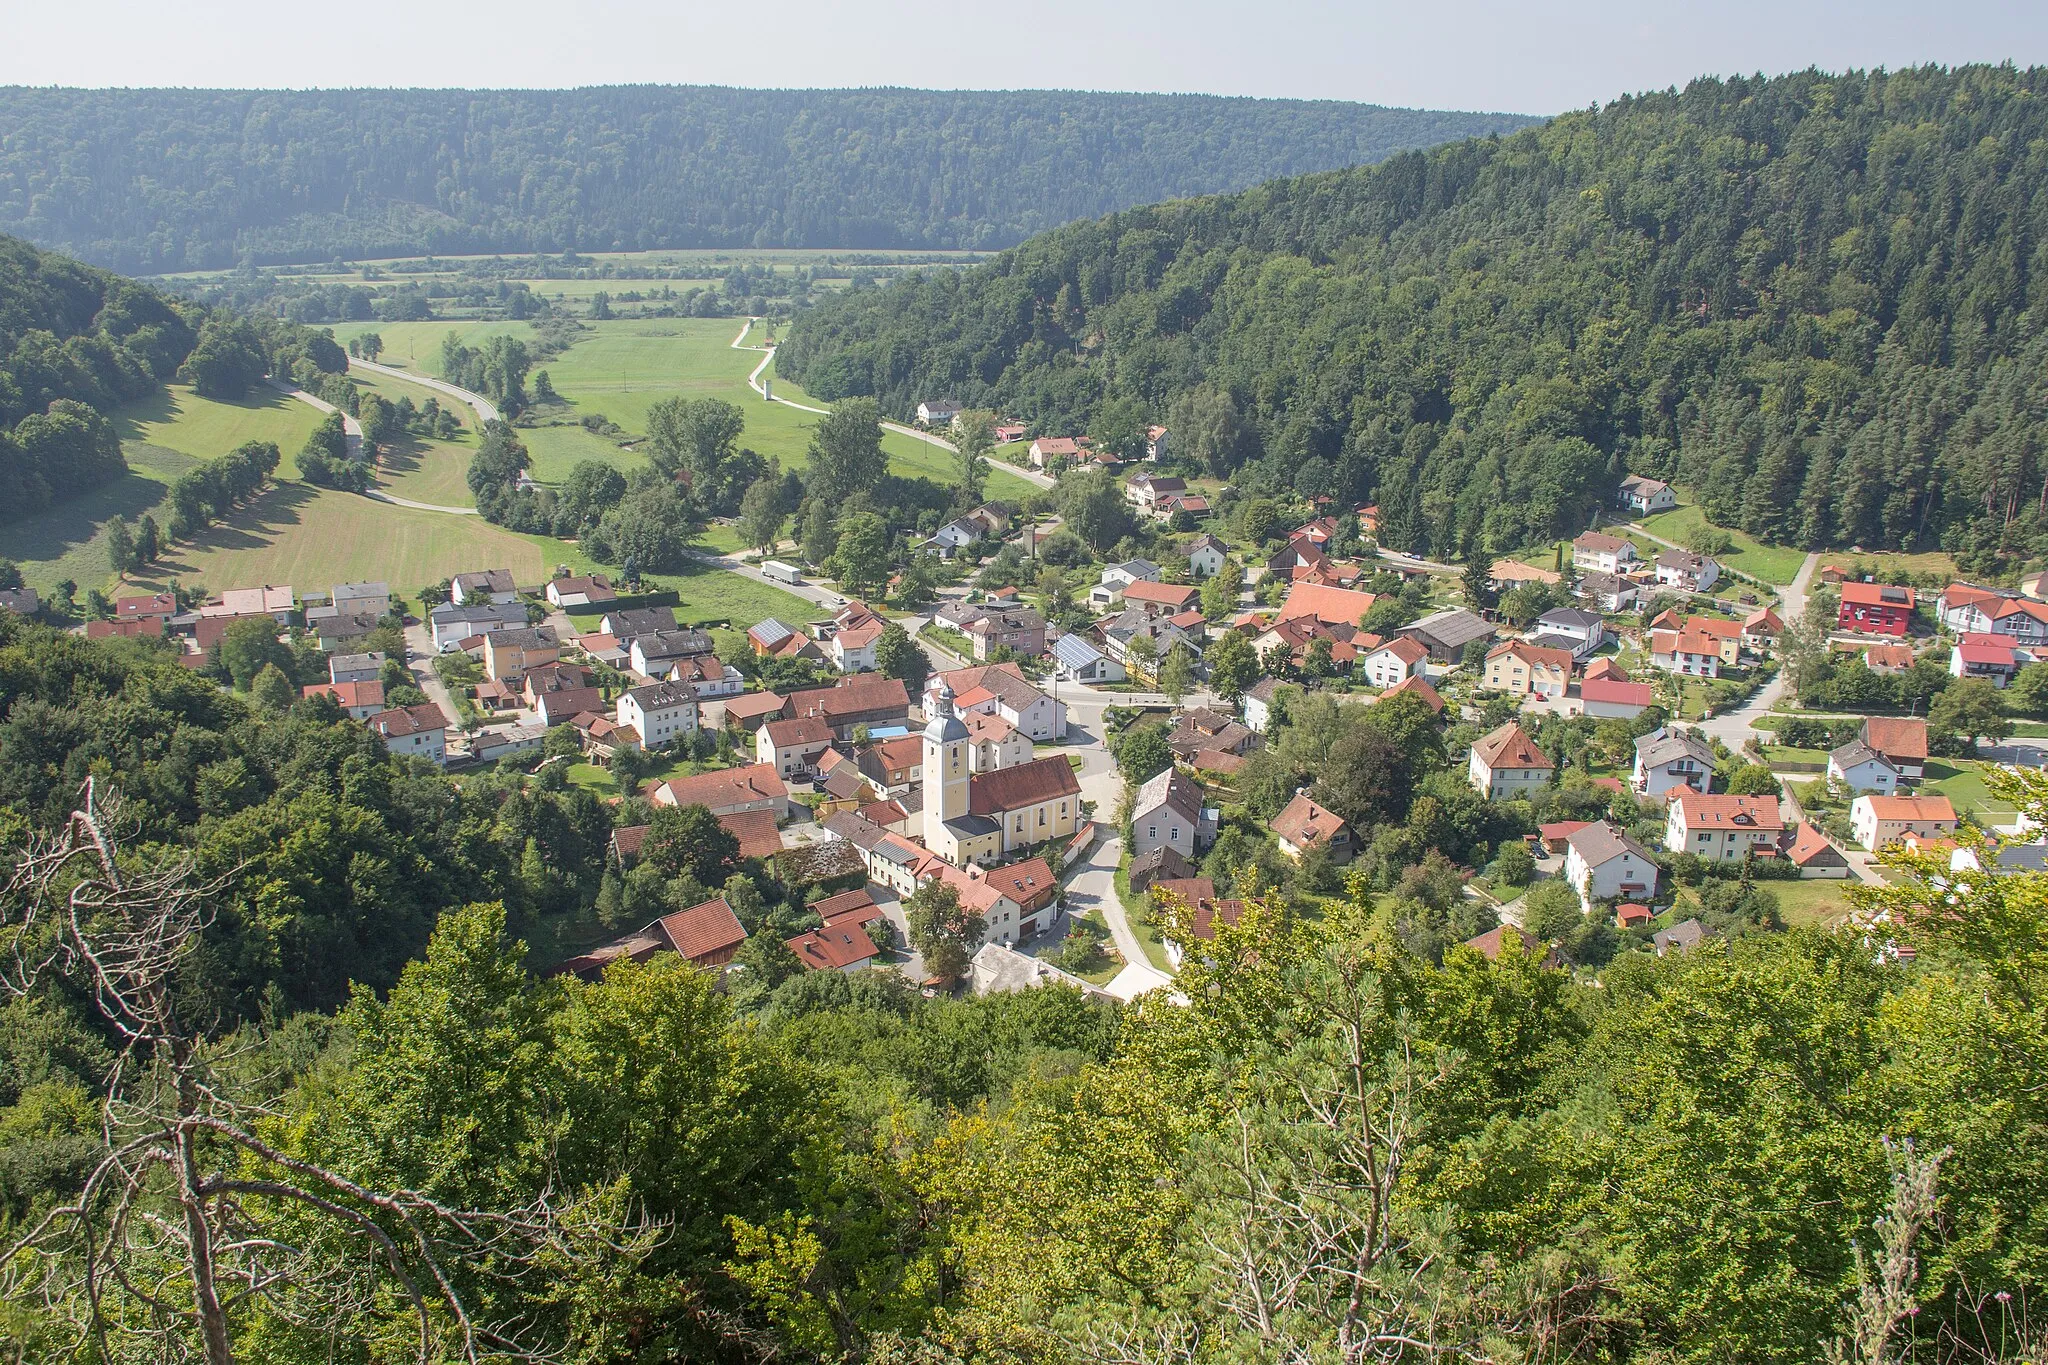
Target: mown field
{"type": "Point", "coordinates": [424, 470]}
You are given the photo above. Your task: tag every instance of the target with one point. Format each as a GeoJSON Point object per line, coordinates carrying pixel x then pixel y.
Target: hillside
{"type": "Point", "coordinates": [160, 180]}
{"type": "Point", "coordinates": [1816, 298]}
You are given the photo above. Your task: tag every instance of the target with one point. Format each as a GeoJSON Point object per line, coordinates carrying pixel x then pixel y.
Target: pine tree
{"type": "Point", "coordinates": [120, 546]}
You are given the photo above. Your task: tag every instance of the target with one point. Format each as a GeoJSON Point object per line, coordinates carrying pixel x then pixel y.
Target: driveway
{"type": "Point", "coordinates": [1733, 728]}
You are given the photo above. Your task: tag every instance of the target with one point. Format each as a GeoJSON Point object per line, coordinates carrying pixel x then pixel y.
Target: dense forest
{"type": "Point", "coordinates": [75, 342]}
{"type": "Point", "coordinates": [266, 1017]}
{"type": "Point", "coordinates": [1819, 300]}
{"type": "Point", "coordinates": [148, 181]}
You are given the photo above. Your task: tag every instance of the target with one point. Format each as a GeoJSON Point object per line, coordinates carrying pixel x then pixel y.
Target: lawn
{"type": "Point", "coordinates": [1812, 900]}
{"type": "Point", "coordinates": [309, 538]}
{"type": "Point", "coordinates": [1961, 780]}
{"type": "Point", "coordinates": [1772, 563]}
{"type": "Point", "coordinates": [424, 470]}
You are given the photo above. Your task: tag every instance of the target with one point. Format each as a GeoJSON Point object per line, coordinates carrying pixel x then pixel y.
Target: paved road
{"type": "Point", "coordinates": [379, 495]}
{"type": "Point", "coordinates": [349, 425]}
{"type": "Point", "coordinates": [419, 646]}
{"type": "Point", "coordinates": [1030, 476]}
{"type": "Point", "coordinates": [1735, 727]}
{"type": "Point", "coordinates": [484, 408]}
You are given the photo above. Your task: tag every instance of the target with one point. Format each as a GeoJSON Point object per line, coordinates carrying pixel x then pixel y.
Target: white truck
{"type": "Point", "coordinates": [781, 572]}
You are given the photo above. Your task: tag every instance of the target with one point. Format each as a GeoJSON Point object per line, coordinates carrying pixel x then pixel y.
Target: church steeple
{"type": "Point", "coordinates": [945, 770]}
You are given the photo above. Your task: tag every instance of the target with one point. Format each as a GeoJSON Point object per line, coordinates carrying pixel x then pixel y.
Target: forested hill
{"type": "Point", "coordinates": [1817, 299]}
{"type": "Point", "coordinates": [158, 180]}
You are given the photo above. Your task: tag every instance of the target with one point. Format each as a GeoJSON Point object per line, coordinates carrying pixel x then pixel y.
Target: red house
{"type": "Point", "coordinates": [1875, 608]}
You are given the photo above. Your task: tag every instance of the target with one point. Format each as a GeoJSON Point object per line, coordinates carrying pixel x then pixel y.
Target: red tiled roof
{"type": "Point", "coordinates": [1488, 945]}
{"type": "Point", "coordinates": [755, 829]}
{"type": "Point", "coordinates": [1416, 685]}
{"type": "Point", "coordinates": [409, 720]}
{"type": "Point", "coordinates": [1614, 692]}
{"type": "Point", "coordinates": [1027, 784]}
{"type": "Point", "coordinates": [703, 931]}
{"type": "Point", "coordinates": [1722, 811]}
{"type": "Point", "coordinates": [1030, 883]}
{"type": "Point", "coordinates": [850, 697]}
{"type": "Point", "coordinates": [750, 705]}
{"type": "Point", "coordinates": [1193, 890]}
{"type": "Point", "coordinates": [1911, 808]}
{"type": "Point", "coordinates": [1336, 606]}
{"type": "Point", "coordinates": [727, 787]}
{"type": "Point", "coordinates": [1305, 824]}
{"type": "Point", "coordinates": [1510, 747]}
{"type": "Point", "coordinates": [1897, 737]}
{"type": "Point", "coordinates": [1166, 594]}
{"type": "Point", "coordinates": [348, 694]}
{"type": "Point", "coordinates": [856, 901]}
{"type": "Point", "coordinates": [833, 948]}
{"type": "Point", "coordinates": [1536, 656]}
{"type": "Point", "coordinates": [794, 734]}
{"type": "Point", "coordinates": [1874, 595]}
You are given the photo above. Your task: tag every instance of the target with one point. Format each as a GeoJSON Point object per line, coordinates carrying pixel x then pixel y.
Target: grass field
{"type": "Point", "coordinates": [1772, 563]}
{"type": "Point", "coordinates": [1961, 780]}
{"type": "Point", "coordinates": [161, 438]}
{"type": "Point", "coordinates": [1815, 900]}
{"type": "Point", "coordinates": [424, 470]}
{"type": "Point", "coordinates": [622, 368]}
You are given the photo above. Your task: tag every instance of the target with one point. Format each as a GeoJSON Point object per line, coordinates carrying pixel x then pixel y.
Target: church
{"type": "Point", "coordinates": [986, 817]}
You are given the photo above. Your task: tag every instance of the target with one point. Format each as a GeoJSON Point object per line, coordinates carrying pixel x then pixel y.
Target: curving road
{"type": "Point", "coordinates": [484, 408]}
{"type": "Point", "coordinates": [1735, 726]}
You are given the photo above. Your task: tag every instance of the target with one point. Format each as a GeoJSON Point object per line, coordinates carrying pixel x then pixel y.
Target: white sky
{"type": "Point", "coordinates": [1528, 57]}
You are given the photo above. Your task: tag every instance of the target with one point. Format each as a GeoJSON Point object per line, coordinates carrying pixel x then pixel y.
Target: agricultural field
{"type": "Point", "coordinates": [161, 437]}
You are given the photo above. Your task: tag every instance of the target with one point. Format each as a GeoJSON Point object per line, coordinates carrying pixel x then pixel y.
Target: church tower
{"type": "Point", "coordinates": [944, 774]}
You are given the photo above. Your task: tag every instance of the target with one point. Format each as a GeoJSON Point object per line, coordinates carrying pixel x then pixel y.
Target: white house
{"type": "Point", "coordinates": [1395, 661]}
{"type": "Point", "coordinates": [1859, 768]}
{"type": "Point", "coordinates": [1001, 690]}
{"type": "Point", "coordinates": [1078, 661]}
{"type": "Point", "coordinates": [791, 747]}
{"type": "Point", "coordinates": [1584, 629]}
{"type": "Point", "coordinates": [1643, 496]}
{"type": "Point", "coordinates": [1207, 556]}
{"type": "Point", "coordinates": [1609, 592]}
{"type": "Point", "coordinates": [1166, 813]}
{"type": "Point", "coordinates": [1506, 765]}
{"type": "Point", "coordinates": [1723, 829]}
{"type": "Point", "coordinates": [1689, 651]}
{"type": "Point", "coordinates": [1971, 610]}
{"type": "Point", "coordinates": [1881, 820]}
{"type": "Point", "coordinates": [414, 731]}
{"type": "Point", "coordinates": [1686, 571]}
{"type": "Point", "coordinates": [1598, 552]}
{"type": "Point", "coordinates": [1145, 490]}
{"type": "Point", "coordinates": [1258, 703]}
{"type": "Point", "coordinates": [484, 585]}
{"type": "Point", "coordinates": [452, 621]}
{"type": "Point", "coordinates": [938, 412]}
{"type": "Point", "coordinates": [1671, 760]}
{"type": "Point", "coordinates": [660, 713]}
{"type": "Point", "coordinates": [1604, 863]}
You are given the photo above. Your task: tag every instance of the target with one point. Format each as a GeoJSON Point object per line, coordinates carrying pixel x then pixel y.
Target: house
{"type": "Point", "coordinates": [1597, 552]}
{"type": "Point", "coordinates": [1392, 662]}
{"type": "Point", "coordinates": [1584, 630]}
{"type": "Point", "coordinates": [1889, 658]}
{"type": "Point", "coordinates": [654, 654]}
{"type": "Point", "coordinates": [508, 741]}
{"type": "Point", "coordinates": [1833, 574]}
{"type": "Point", "coordinates": [728, 791]}
{"type": "Point", "coordinates": [1681, 937]}
{"type": "Point", "coordinates": [1902, 740]}
{"type": "Point", "coordinates": [454, 622]}
{"type": "Point", "coordinates": [1761, 629]}
{"type": "Point", "coordinates": [661, 713]}
{"type": "Point", "coordinates": [1207, 556]}
{"type": "Point", "coordinates": [1201, 731]}
{"type": "Point", "coordinates": [1521, 669]}
{"type": "Point", "coordinates": [1002, 690]}
{"type": "Point", "coordinates": [1009, 432]}
{"type": "Point", "coordinates": [604, 649]}
{"type": "Point", "coordinates": [1609, 592]}
{"type": "Point", "coordinates": [1993, 657]}
{"type": "Point", "coordinates": [1078, 661]}
{"type": "Point", "coordinates": [1155, 442]}
{"type": "Point", "coordinates": [1020, 630]}
{"type": "Point", "coordinates": [1162, 864]}
{"type": "Point", "coordinates": [560, 704]}
{"type": "Point", "coordinates": [1688, 651]}
{"type": "Point", "coordinates": [360, 700]}
{"type": "Point", "coordinates": [1030, 885]}
{"type": "Point", "coordinates": [1163, 599]}
{"type": "Point", "coordinates": [142, 627]}
{"type": "Point", "coordinates": [1303, 825]}
{"type": "Point", "coordinates": [1145, 490]}
{"type": "Point", "coordinates": [1258, 703]}
{"type": "Point", "coordinates": [1669, 760]}
{"type": "Point", "coordinates": [1046, 449]}
{"type": "Point", "coordinates": [891, 764]}
{"type": "Point", "coordinates": [1643, 496]}
{"type": "Point", "coordinates": [483, 585]}
{"type": "Point", "coordinates": [850, 640]}
{"type": "Point", "coordinates": [1166, 813]}
{"type": "Point", "coordinates": [751, 710]}
{"type": "Point", "coordinates": [1966, 609]}
{"type": "Point", "coordinates": [209, 631]}
{"type": "Point", "coordinates": [843, 947]}
{"type": "Point", "coordinates": [1506, 765]}
{"type": "Point", "coordinates": [1727, 636]}
{"type": "Point", "coordinates": [1814, 854]}
{"type": "Point", "coordinates": [414, 731]}
{"type": "Point", "coordinates": [1417, 688]}
{"type": "Point", "coordinates": [1207, 914]}
{"type": "Point", "coordinates": [859, 699]}
{"type": "Point", "coordinates": [1119, 576]}
{"type": "Point", "coordinates": [1121, 632]}
{"type": "Point", "coordinates": [1173, 504]}
{"type": "Point", "coordinates": [1493, 942]}
{"type": "Point", "coordinates": [1446, 634]}
{"type": "Point", "coordinates": [348, 668]}
{"type": "Point", "coordinates": [1686, 571]}
{"type": "Point", "coordinates": [792, 747]}
{"type": "Point", "coordinates": [979, 817]}
{"type": "Point", "coordinates": [993, 742]}
{"type": "Point", "coordinates": [1604, 863]}
{"type": "Point", "coordinates": [767, 636]}
{"type": "Point", "coordinates": [1615, 698]}
{"type": "Point", "coordinates": [1881, 820]}
{"type": "Point", "coordinates": [705, 935]}
{"type": "Point", "coordinates": [1001, 970]}
{"type": "Point", "coordinates": [1859, 768]}
{"type": "Point", "coordinates": [510, 654]}
{"type": "Point", "coordinates": [939, 412]}
{"type": "Point", "coordinates": [1876, 608]}
{"type": "Point", "coordinates": [1331, 606]}
{"type": "Point", "coordinates": [632, 621]}
{"type": "Point", "coordinates": [579, 590]}
{"type": "Point", "coordinates": [339, 631]}
{"type": "Point", "coordinates": [1509, 574]}
{"type": "Point", "coordinates": [364, 599]}
{"type": "Point", "coordinates": [1723, 829]}
{"type": "Point", "coordinates": [278, 603]}
{"type": "Point", "coordinates": [160, 604]}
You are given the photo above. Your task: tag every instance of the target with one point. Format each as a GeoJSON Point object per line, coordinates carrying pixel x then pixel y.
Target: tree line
{"type": "Point", "coordinates": [368, 174]}
{"type": "Point", "coordinates": [1815, 298]}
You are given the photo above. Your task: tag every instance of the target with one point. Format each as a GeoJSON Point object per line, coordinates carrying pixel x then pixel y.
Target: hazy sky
{"type": "Point", "coordinates": [1469, 54]}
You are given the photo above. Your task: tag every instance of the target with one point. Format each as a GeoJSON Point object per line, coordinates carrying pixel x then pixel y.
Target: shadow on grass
{"type": "Point", "coordinates": [55, 531]}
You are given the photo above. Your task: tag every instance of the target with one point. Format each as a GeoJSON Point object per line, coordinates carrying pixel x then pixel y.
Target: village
{"type": "Point", "coordinates": [1086, 767]}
